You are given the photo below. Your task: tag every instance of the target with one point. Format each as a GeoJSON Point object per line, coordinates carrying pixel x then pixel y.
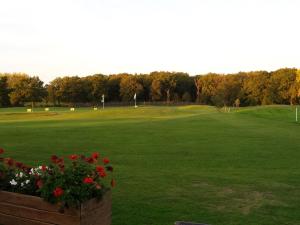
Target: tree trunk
{"type": "Point", "coordinates": [198, 87]}
{"type": "Point", "coordinates": [168, 96]}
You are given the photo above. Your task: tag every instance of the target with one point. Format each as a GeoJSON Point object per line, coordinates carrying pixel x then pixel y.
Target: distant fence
{"type": "Point", "coordinates": [110, 104]}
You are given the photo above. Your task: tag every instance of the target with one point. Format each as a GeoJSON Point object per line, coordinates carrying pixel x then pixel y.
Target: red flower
{"type": "Point", "coordinates": [102, 174]}
{"type": "Point", "coordinates": [44, 168]}
{"type": "Point", "coordinates": [58, 192]}
{"type": "Point", "coordinates": [19, 165]}
{"type": "Point", "coordinates": [105, 160]}
{"type": "Point", "coordinates": [89, 160]}
{"type": "Point", "coordinates": [73, 157]}
{"type": "Point", "coordinates": [54, 159]}
{"type": "Point", "coordinates": [113, 183]}
{"type": "Point", "coordinates": [60, 161]}
{"type": "Point", "coordinates": [26, 169]}
{"type": "Point", "coordinates": [10, 162]}
{"type": "Point", "coordinates": [1, 150]}
{"type": "Point", "coordinates": [39, 183]}
{"type": "Point", "coordinates": [88, 180]}
{"type": "Point", "coordinates": [95, 155]}
{"type": "Point", "coordinates": [100, 169]}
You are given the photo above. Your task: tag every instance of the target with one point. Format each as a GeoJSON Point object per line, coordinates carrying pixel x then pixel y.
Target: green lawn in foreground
{"type": "Point", "coordinates": [190, 163]}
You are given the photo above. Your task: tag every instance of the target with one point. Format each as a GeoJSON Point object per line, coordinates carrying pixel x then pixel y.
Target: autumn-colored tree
{"type": "Point", "coordinates": [163, 85]}
{"type": "Point", "coordinates": [25, 89]}
{"type": "Point", "coordinates": [279, 87]}
{"type": "Point", "coordinates": [198, 85]}
{"type": "Point", "coordinates": [97, 86]}
{"type": "Point", "coordinates": [254, 87]}
{"type": "Point", "coordinates": [146, 81]}
{"type": "Point", "coordinates": [34, 90]}
{"type": "Point", "coordinates": [113, 87]}
{"type": "Point", "coordinates": [207, 87]}
{"type": "Point", "coordinates": [250, 88]}
{"type": "Point", "coordinates": [17, 84]}
{"type": "Point", "coordinates": [129, 86]}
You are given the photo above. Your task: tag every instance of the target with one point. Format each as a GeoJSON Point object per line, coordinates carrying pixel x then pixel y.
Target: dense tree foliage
{"type": "Point", "coordinates": [242, 89]}
{"type": "Point", "coordinates": [4, 91]}
{"type": "Point", "coordinates": [16, 89]}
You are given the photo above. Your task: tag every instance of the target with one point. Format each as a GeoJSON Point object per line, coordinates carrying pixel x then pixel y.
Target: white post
{"type": "Point", "coordinates": [135, 106]}
{"type": "Point", "coordinates": [103, 101]}
{"type": "Point", "coordinates": [296, 114]}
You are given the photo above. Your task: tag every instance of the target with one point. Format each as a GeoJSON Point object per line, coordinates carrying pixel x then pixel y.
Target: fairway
{"type": "Point", "coordinates": [189, 163]}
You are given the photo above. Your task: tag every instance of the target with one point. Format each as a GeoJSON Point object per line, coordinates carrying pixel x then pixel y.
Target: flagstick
{"type": "Point", "coordinates": [296, 114]}
{"type": "Point", "coordinates": [103, 101]}
{"type": "Point", "coordinates": [135, 106]}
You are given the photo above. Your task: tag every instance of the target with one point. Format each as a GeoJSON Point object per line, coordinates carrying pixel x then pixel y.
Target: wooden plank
{"type": "Point", "coordinates": [188, 223]}
{"type": "Point", "coordinates": [33, 202]}
{"type": "Point", "coordinates": [19, 209]}
{"type": "Point", "coordinates": [97, 213]}
{"type": "Point", "coordinates": [96, 204]}
{"type": "Point", "coordinates": [12, 220]}
{"type": "Point", "coordinates": [97, 217]}
{"type": "Point", "coordinates": [37, 214]}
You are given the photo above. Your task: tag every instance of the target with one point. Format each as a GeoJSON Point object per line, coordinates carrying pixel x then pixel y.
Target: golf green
{"type": "Point", "coordinates": [189, 163]}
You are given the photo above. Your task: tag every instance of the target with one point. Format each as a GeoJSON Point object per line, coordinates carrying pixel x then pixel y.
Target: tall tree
{"type": "Point", "coordinates": [254, 87]}
{"type": "Point", "coordinates": [74, 90]}
{"type": "Point", "coordinates": [207, 87]}
{"type": "Point", "coordinates": [228, 90]}
{"type": "Point", "coordinates": [146, 81]}
{"type": "Point", "coordinates": [4, 92]}
{"type": "Point", "coordinates": [34, 90]}
{"type": "Point", "coordinates": [279, 88]}
{"type": "Point", "coordinates": [163, 85]}
{"type": "Point", "coordinates": [113, 87]}
{"type": "Point", "coordinates": [17, 84]}
{"type": "Point", "coordinates": [130, 85]}
{"type": "Point", "coordinates": [55, 91]}
{"type": "Point", "coordinates": [97, 86]}
{"type": "Point", "coordinates": [184, 86]}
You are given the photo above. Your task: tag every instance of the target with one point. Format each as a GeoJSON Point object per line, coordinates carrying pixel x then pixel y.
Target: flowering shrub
{"type": "Point", "coordinates": [68, 184]}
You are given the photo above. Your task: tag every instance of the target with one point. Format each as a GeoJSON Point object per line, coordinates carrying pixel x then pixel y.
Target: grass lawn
{"type": "Point", "coordinates": [191, 163]}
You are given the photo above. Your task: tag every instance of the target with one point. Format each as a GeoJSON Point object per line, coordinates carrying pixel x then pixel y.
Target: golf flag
{"type": "Point", "coordinates": [134, 97]}
{"type": "Point", "coordinates": [102, 98]}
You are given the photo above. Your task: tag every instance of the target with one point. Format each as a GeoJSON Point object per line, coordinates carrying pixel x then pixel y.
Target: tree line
{"type": "Point", "coordinates": [242, 89]}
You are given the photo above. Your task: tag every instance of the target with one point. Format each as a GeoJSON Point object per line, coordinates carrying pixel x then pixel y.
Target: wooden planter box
{"type": "Point", "coordinates": [19, 209]}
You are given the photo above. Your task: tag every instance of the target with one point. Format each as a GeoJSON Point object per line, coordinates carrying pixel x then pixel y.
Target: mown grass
{"type": "Point", "coordinates": [191, 163]}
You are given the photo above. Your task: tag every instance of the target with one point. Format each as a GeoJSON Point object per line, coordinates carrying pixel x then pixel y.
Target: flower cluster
{"type": "Point", "coordinates": [68, 182]}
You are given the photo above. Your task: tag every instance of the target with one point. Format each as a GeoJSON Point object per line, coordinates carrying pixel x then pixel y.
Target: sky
{"type": "Point", "coordinates": [51, 38]}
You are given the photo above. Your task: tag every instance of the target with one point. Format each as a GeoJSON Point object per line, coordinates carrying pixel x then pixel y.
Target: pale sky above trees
{"type": "Point", "coordinates": [80, 37]}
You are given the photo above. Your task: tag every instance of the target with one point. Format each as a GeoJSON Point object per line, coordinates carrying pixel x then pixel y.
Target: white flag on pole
{"type": "Point", "coordinates": [134, 97]}
{"type": "Point", "coordinates": [102, 98]}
